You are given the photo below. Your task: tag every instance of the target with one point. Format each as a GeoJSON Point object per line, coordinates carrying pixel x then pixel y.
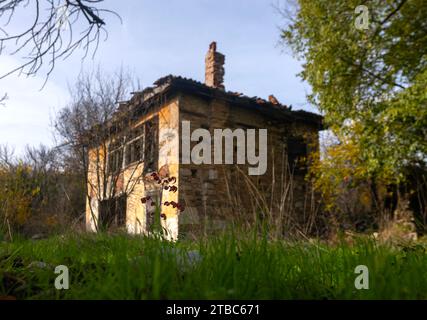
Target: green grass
{"type": "Point", "coordinates": [125, 267]}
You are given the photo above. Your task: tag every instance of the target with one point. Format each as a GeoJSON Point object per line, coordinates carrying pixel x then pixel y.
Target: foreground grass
{"type": "Point", "coordinates": [126, 267]}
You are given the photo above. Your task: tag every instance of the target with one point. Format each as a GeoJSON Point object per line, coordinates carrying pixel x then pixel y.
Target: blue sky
{"type": "Point", "coordinates": [156, 38]}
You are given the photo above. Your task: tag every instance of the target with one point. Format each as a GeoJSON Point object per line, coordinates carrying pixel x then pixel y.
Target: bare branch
{"type": "Point", "coordinates": [3, 99]}
{"type": "Point", "coordinates": [51, 32]}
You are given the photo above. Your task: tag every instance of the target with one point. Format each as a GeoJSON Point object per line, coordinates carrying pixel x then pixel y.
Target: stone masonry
{"type": "Point", "coordinates": [212, 194]}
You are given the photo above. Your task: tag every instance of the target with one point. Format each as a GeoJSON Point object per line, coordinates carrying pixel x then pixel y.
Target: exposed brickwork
{"type": "Point", "coordinates": [211, 193]}
{"type": "Point", "coordinates": [214, 68]}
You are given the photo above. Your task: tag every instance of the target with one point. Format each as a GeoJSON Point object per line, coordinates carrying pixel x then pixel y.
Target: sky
{"type": "Point", "coordinates": [154, 39]}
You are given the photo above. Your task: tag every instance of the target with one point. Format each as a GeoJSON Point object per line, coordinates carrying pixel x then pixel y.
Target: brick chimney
{"type": "Point", "coordinates": [214, 68]}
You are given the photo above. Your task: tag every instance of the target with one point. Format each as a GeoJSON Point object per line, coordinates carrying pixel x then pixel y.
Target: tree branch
{"type": "Point", "coordinates": [50, 34]}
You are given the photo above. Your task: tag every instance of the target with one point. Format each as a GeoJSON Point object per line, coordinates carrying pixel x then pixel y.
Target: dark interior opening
{"type": "Point", "coordinates": [151, 144]}
{"type": "Point", "coordinates": [112, 212]}
{"type": "Point", "coordinates": [297, 154]}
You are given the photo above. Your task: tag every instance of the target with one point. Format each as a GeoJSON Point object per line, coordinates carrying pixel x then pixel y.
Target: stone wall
{"type": "Point", "coordinates": [215, 193]}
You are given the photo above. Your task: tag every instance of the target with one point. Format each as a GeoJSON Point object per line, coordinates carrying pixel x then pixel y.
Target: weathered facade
{"type": "Point", "coordinates": [151, 133]}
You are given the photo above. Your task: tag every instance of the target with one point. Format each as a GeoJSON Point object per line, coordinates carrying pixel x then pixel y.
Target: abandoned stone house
{"type": "Point", "coordinates": [151, 139]}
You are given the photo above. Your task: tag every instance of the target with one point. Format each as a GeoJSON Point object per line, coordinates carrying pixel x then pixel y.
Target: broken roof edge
{"type": "Point", "coordinates": [171, 83]}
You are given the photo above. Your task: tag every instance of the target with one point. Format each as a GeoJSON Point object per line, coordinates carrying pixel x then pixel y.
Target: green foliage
{"type": "Point", "coordinates": [370, 84]}
{"type": "Point", "coordinates": [230, 267]}
{"type": "Point", "coordinates": [156, 227]}
{"type": "Point", "coordinates": [37, 194]}
{"type": "Point", "coordinates": [18, 191]}
{"type": "Point", "coordinates": [338, 170]}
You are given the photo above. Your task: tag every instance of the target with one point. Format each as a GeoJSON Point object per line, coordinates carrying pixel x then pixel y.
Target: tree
{"type": "Point", "coordinates": [94, 129]}
{"type": "Point", "coordinates": [32, 190]}
{"type": "Point", "coordinates": [371, 82]}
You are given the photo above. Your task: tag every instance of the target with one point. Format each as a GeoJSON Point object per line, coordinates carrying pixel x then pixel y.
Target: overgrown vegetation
{"type": "Point", "coordinates": [45, 189]}
{"type": "Point", "coordinates": [38, 194]}
{"type": "Point", "coordinates": [370, 84]}
{"type": "Point", "coordinates": [225, 267]}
